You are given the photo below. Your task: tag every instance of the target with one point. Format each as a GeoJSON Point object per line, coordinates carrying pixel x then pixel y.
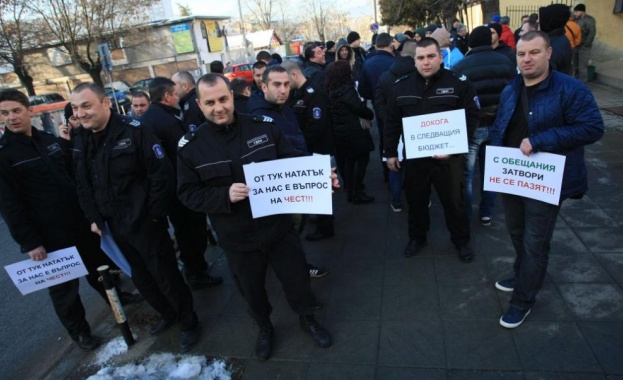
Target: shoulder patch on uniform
{"type": "Point", "coordinates": [461, 77]}
{"type": "Point", "coordinates": [134, 123]}
{"type": "Point", "coordinates": [158, 151]}
{"type": "Point", "coordinates": [262, 119]}
{"type": "Point", "coordinates": [185, 139]}
{"type": "Point", "coordinates": [317, 113]}
{"type": "Point", "coordinates": [310, 90]}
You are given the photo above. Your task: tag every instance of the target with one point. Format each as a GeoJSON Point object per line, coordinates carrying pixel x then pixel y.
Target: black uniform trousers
{"type": "Point", "coordinates": [191, 234]}
{"type": "Point", "coordinates": [149, 251]}
{"type": "Point", "coordinates": [449, 180]}
{"type": "Point", "coordinates": [287, 259]}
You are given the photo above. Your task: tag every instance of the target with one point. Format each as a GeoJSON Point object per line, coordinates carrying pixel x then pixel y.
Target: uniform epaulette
{"type": "Point", "coordinates": [402, 78]}
{"type": "Point", "coordinates": [186, 139]}
{"type": "Point", "coordinates": [461, 77]}
{"type": "Point", "coordinates": [130, 121]}
{"type": "Point", "coordinates": [310, 90]}
{"type": "Point", "coordinates": [263, 119]}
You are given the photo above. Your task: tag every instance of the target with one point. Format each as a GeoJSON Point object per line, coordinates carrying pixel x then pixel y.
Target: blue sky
{"type": "Point", "coordinates": [230, 7]}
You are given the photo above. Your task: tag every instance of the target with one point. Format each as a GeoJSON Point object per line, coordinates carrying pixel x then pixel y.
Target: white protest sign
{"type": "Point", "coordinates": [435, 134]}
{"type": "Point", "coordinates": [60, 266]}
{"type": "Point", "coordinates": [299, 185]}
{"type": "Point", "coordinates": [538, 176]}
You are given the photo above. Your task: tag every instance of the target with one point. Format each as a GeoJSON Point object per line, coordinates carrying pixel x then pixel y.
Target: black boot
{"type": "Point", "coordinates": [319, 334]}
{"type": "Point", "coordinates": [264, 343]}
{"type": "Point", "coordinates": [201, 280]}
{"type": "Point", "coordinates": [86, 341]}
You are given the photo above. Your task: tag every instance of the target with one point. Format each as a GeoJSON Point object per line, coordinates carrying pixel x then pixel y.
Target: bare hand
{"type": "Point", "coordinates": [441, 156]}
{"type": "Point", "coordinates": [63, 132]}
{"type": "Point", "coordinates": [38, 253]}
{"type": "Point", "coordinates": [526, 147]}
{"type": "Point", "coordinates": [238, 192]}
{"type": "Point", "coordinates": [335, 182]}
{"type": "Point", "coordinates": [393, 164]}
{"type": "Point", "coordinates": [95, 229]}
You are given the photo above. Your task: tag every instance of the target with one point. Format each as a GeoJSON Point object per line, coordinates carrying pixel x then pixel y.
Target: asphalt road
{"type": "Point", "coordinates": [31, 336]}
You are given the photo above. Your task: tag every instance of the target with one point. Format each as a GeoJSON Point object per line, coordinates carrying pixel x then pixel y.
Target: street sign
{"type": "Point", "coordinates": [104, 53]}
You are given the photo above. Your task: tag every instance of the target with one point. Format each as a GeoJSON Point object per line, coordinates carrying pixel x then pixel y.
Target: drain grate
{"type": "Point", "coordinates": [615, 110]}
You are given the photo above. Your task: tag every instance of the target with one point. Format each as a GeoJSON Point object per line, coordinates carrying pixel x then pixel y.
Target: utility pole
{"type": "Point", "coordinates": [244, 33]}
{"type": "Point", "coordinates": [376, 21]}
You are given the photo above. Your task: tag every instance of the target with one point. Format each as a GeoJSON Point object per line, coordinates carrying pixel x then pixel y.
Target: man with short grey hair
{"type": "Point", "coordinates": [460, 40]}
{"type": "Point", "coordinates": [185, 84]}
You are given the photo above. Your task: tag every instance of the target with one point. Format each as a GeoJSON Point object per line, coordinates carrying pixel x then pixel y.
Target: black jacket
{"type": "Point", "coordinates": [38, 198]}
{"type": "Point", "coordinates": [167, 124]}
{"type": "Point", "coordinates": [401, 66]}
{"type": "Point", "coordinates": [562, 53]}
{"type": "Point", "coordinates": [351, 139]}
{"type": "Point", "coordinates": [241, 103]}
{"type": "Point", "coordinates": [413, 95]}
{"type": "Point", "coordinates": [283, 116]}
{"type": "Point", "coordinates": [314, 74]}
{"type": "Point", "coordinates": [311, 109]}
{"type": "Point", "coordinates": [210, 160]}
{"type": "Point", "coordinates": [133, 175]}
{"type": "Point", "coordinates": [506, 51]}
{"type": "Point", "coordinates": [192, 112]}
{"type": "Point", "coordinates": [489, 72]}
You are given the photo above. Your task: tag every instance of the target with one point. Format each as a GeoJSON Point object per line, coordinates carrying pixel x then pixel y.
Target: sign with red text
{"type": "Point", "coordinates": [60, 266]}
{"type": "Point", "coordinates": [299, 185]}
{"type": "Point", "coordinates": [435, 134]}
{"type": "Point", "coordinates": [537, 176]}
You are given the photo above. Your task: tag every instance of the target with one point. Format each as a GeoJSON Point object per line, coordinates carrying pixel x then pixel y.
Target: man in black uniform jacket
{"type": "Point", "coordinates": [187, 93]}
{"type": "Point", "coordinates": [124, 185]}
{"type": "Point", "coordinates": [432, 89]}
{"type": "Point", "coordinates": [165, 120]}
{"type": "Point", "coordinates": [39, 203]}
{"type": "Point", "coordinates": [211, 179]}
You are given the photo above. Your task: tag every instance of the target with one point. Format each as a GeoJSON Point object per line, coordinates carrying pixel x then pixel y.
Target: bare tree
{"type": "Point", "coordinates": [15, 34]}
{"type": "Point", "coordinates": [184, 10]}
{"type": "Point", "coordinates": [319, 11]}
{"type": "Point", "coordinates": [80, 25]}
{"type": "Point", "coordinates": [262, 11]}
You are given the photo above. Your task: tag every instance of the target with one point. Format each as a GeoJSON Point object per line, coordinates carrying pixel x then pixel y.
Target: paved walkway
{"type": "Point", "coordinates": [431, 316]}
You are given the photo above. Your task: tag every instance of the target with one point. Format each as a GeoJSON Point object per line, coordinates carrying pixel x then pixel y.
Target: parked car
{"type": "Point", "coordinates": [121, 96]}
{"type": "Point", "coordinates": [120, 86]}
{"type": "Point", "coordinates": [141, 85]}
{"type": "Point", "coordinates": [50, 98]}
{"type": "Point", "coordinates": [241, 70]}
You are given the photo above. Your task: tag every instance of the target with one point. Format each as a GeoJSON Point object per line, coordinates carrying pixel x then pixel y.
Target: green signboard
{"type": "Point", "coordinates": [182, 39]}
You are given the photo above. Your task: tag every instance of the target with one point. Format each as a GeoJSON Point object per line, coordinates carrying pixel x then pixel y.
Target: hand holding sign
{"type": "Point", "coordinates": [238, 192]}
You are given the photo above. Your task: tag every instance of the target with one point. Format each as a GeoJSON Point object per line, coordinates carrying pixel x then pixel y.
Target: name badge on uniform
{"type": "Point", "coordinates": [257, 141]}
{"type": "Point", "coordinates": [122, 144]}
{"type": "Point", "coordinates": [54, 147]}
{"type": "Point", "coordinates": [445, 91]}
{"type": "Point", "coordinates": [158, 151]}
{"type": "Point", "coordinates": [317, 112]}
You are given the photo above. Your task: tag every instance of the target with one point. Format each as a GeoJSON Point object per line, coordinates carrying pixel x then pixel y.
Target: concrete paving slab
{"type": "Point", "coordinates": [613, 263]}
{"type": "Point", "coordinates": [330, 371]}
{"type": "Point", "coordinates": [606, 340]}
{"type": "Point", "coordinates": [410, 304]}
{"type": "Point", "coordinates": [274, 369]}
{"type": "Point", "coordinates": [479, 345]}
{"type": "Point", "coordinates": [354, 342]}
{"type": "Point", "coordinates": [553, 346]}
{"type": "Point", "coordinates": [397, 373]}
{"type": "Point", "coordinates": [413, 344]}
{"type": "Point", "coordinates": [454, 374]}
{"type": "Point", "coordinates": [468, 302]}
{"type": "Point", "coordinates": [577, 268]}
{"type": "Point", "coordinates": [602, 239]}
{"type": "Point", "coordinates": [594, 302]}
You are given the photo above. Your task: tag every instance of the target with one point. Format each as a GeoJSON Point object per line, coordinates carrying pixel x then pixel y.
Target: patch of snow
{"type": "Point", "coordinates": [113, 348]}
{"type": "Point", "coordinates": [166, 366]}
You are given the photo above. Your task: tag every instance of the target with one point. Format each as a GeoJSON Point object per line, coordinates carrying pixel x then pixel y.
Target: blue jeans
{"type": "Point", "coordinates": [531, 226]}
{"type": "Point", "coordinates": [395, 186]}
{"type": "Point", "coordinates": [477, 150]}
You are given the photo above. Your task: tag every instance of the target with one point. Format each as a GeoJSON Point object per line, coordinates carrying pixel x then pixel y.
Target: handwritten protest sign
{"type": "Point", "coordinates": [299, 185]}
{"type": "Point", "coordinates": [60, 266]}
{"type": "Point", "coordinates": [435, 134]}
{"type": "Point", "coordinates": [538, 176]}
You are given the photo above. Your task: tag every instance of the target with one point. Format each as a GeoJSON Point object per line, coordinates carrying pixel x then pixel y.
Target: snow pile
{"type": "Point", "coordinates": [167, 366]}
{"type": "Point", "coordinates": [115, 347]}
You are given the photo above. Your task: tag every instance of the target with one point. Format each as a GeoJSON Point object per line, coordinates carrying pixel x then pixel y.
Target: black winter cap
{"type": "Point", "coordinates": [352, 37]}
{"type": "Point", "coordinates": [480, 36]}
{"type": "Point", "coordinates": [580, 7]}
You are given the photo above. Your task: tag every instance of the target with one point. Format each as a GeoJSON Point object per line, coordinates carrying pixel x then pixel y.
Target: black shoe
{"type": "Point", "coordinates": [202, 280]}
{"type": "Point", "coordinates": [161, 326]}
{"type": "Point", "coordinates": [319, 235]}
{"type": "Point", "coordinates": [362, 198]}
{"type": "Point", "coordinates": [86, 341]}
{"type": "Point", "coordinates": [189, 338]}
{"type": "Point", "coordinates": [127, 298]}
{"type": "Point", "coordinates": [264, 343]}
{"type": "Point", "coordinates": [414, 247]}
{"type": "Point", "coordinates": [319, 334]}
{"type": "Point", "coordinates": [465, 254]}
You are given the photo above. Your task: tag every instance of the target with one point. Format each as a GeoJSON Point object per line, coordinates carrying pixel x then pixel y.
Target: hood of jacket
{"type": "Point", "coordinates": [402, 66]}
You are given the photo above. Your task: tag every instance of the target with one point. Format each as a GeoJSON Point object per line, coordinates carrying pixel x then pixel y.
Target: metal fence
{"type": "Point", "coordinates": [516, 11]}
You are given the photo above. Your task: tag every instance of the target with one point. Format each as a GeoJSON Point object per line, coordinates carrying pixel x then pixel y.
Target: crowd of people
{"type": "Point", "coordinates": [179, 158]}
